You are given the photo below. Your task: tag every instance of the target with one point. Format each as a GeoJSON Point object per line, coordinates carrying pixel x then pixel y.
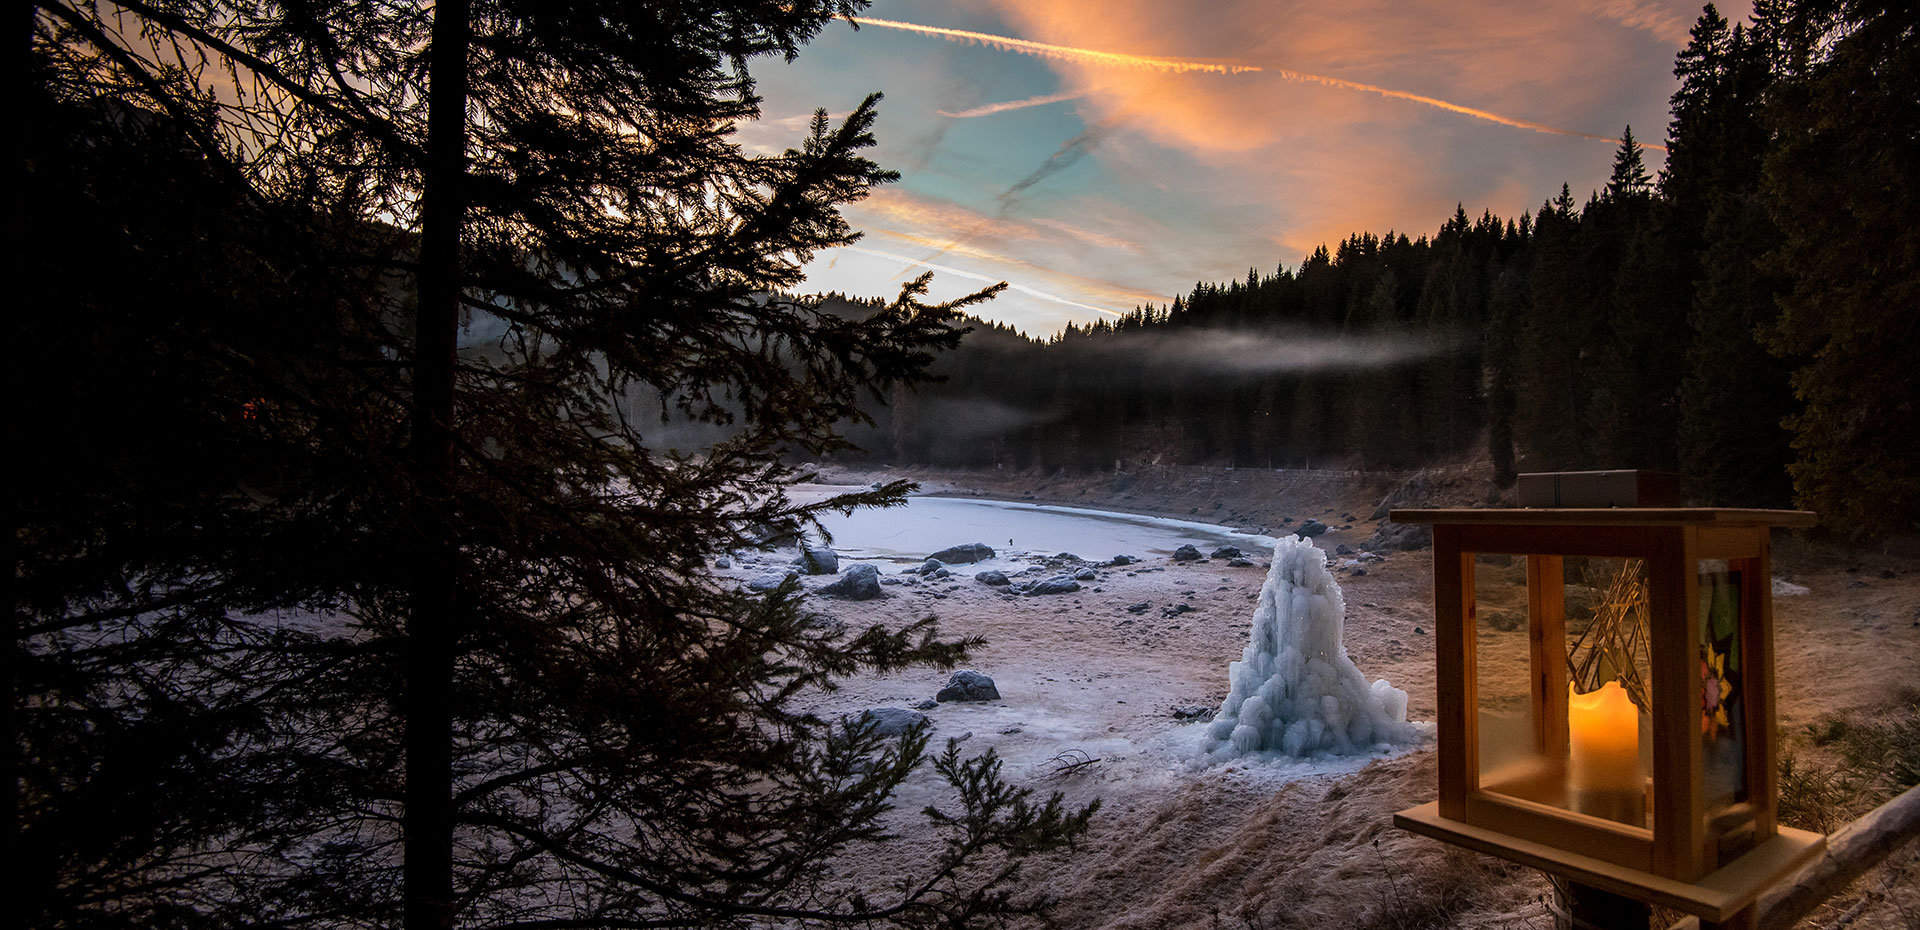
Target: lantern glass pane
{"type": "Point", "coordinates": [1509, 750]}
{"type": "Point", "coordinates": [1722, 683]}
{"type": "Point", "coordinates": [1610, 673]}
{"type": "Point", "coordinates": [1561, 672]}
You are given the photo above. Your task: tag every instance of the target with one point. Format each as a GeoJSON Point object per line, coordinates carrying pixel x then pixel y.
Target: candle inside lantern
{"type": "Point", "coordinates": [1603, 742]}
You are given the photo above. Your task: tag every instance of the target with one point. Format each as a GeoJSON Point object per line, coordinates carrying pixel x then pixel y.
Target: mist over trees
{"type": "Point", "coordinates": [1746, 317]}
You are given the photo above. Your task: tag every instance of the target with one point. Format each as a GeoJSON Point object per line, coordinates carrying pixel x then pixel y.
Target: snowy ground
{"type": "Point", "coordinates": [1265, 844]}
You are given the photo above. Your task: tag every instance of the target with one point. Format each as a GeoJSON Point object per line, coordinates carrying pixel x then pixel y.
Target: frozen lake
{"type": "Point", "coordinates": [929, 524]}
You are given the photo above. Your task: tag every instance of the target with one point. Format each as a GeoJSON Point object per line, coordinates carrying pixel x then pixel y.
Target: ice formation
{"type": "Point", "coordinates": [1294, 691]}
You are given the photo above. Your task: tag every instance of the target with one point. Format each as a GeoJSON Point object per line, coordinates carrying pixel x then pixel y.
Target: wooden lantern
{"type": "Point", "coordinates": [1606, 699]}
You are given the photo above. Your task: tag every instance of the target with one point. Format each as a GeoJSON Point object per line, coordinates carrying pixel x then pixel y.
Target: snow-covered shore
{"type": "Point", "coordinates": [1263, 844]}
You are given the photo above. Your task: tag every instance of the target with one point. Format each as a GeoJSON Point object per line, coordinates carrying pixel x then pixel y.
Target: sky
{"type": "Point", "coordinates": [1101, 156]}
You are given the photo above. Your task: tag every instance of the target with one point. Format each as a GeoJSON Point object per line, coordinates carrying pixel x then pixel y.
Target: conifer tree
{"type": "Point", "coordinates": [416, 256]}
{"type": "Point", "coordinates": [1843, 184]}
{"type": "Point", "coordinates": [1630, 177]}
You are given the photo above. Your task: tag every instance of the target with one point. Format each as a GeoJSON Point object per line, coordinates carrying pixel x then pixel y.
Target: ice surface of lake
{"type": "Point", "coordinates": [929, 524]}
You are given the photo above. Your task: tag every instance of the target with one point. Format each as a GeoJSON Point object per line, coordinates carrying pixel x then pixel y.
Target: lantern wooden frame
{"type": "Point", "coordinates": [1713, 867]}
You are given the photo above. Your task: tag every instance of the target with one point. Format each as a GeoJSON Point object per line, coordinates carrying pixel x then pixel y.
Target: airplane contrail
{"type": "Point", "coordinates": [1061, 52]}
{"type": "Point", "coordinates": [1187, 65]}
{"type": "Point", "coordinates": [988, 109]}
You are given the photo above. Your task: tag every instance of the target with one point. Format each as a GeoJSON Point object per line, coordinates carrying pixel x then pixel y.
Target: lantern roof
{"type": "Point", "coordinates": [1606, 516]}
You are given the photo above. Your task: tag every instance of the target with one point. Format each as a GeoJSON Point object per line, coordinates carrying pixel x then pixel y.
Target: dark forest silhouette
{"type": "Point", "coordinates": [1747, 318]}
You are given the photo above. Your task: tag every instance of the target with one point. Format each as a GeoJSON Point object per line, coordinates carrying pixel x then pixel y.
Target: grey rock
{"type": "Point", "coordinates": [891, 721]}
{"type": "Point", "coordinates": [1400, 536]}
{"type": "Point", "coordinates": [1186, 554]}
{"type": "Point", "coordinates": [928, 567]}
{"type": "Point", "coordinates": [1067, 557]}
{"type": "Point", "coordinates": [1343, 549]}
{"type": "Point", "coordinates": [769, 581]}
{"type": "Point", "coordinates": [962, 554]}
{"type": "Point", "coordinates": [1058, 584]}
{"type": "Point", "coordinates": [1227, 552]}
{"type": "Point", "coordinates": [1138, 608]}
{"type": "Point", "coordinates": [1417, 489]}
{"type": "Point", "coordinates": [817, 560]}
{"type": "Point", "coordinates": [992, 579]}
{"type": "Point", "coordinates": [1240, 563]}
{"type": "Point", "coordinates": [892, 580]}
{"type": "Point", "coordinates": [860, 583]}
{"type": "Point", "coordinates": [1359, 571]}
{"type": "Point", "coordinates": [1086, 574]}
{"type": "Point", "coordinates": [1310, 529]}
{"type": "Point", "coordinates": [942, 572]}
{"type": "Point", "coordinates": [1193, 712]}
{"type": "Point", "coordinates": [927, 704]}
{"type": "Point", "coordinates": [1122, 560]}
{"type": "Point", "coordinates": [968, 685]}
{"type": "Point", "coordinates": [767, 536]}
{"type": "Point", "coordinates": [723, 562]}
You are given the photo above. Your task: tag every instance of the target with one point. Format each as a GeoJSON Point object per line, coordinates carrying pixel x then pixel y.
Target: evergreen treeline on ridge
{"type": "Point", "coordinates": [1745, 318]}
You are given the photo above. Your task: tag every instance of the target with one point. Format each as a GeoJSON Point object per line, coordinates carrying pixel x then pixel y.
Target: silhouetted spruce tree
{"type": "Point", "coordinates": [1734, 395]}
{"type": "Point", "coordinates": [1842, 182]}
{"type": "Point", "coordinates": [1630, 177]}
{"type": "Point", "coordinates": [1552, 383]}
{"type": "Point", "coordinates": [387, 296]}
{"type": "Point", "coordinates": [1506, 310]}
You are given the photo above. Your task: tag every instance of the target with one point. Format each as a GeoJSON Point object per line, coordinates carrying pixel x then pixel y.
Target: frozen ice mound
{"type": "Point", "coordinates": [1294, 691]}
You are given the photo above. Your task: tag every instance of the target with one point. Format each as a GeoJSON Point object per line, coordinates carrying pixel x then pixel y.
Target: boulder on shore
{"type": "Point", "coordinates": [1058, 584]}
{"type": "Point", "coordinates": [860, 583]}
{"type": "Point", "coordinates": [1186, 553]}
{"type": "Point", "coordinates": [992, 579]}
{"type": "Point", "coordinates": [1227, 552]}
{"type": "Point", "coordinates": [1310, 529]}
{"type": "Point", "coordinates": [891, 721]}
{"type": "Point", "coordinates": [769, 581]}
{"type": "Point", "coordinates": [1400, 536]}
{"type": "Point", "coordinates": [817, 560]}
{"type": "Point", "coordinates": [963, 554]}
{"type": "Point", "coordinates": [968, 685]}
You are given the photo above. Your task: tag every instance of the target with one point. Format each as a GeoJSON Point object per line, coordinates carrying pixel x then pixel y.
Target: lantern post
{"type": "Point", "coordinates": [1605, 685]}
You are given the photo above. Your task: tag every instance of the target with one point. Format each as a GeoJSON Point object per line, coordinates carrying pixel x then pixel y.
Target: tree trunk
{"type": "Point", "coordinates": [426, 702]}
